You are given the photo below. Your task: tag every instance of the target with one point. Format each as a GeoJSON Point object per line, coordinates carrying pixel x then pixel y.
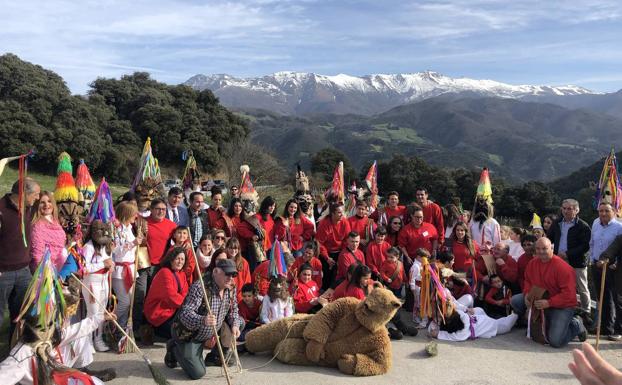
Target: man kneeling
{"type": "Point", "coordinates": [549, 275]}
{"type": "Point", "coordinates": [195, 327]}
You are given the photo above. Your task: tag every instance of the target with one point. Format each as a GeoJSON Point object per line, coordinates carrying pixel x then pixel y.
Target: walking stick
{"type": "Point", "coordinates": [158, 377]}
{"type": "Point", "coordinates": [600, 303]}
{"type": "Point", "coordinates": [209, 311]}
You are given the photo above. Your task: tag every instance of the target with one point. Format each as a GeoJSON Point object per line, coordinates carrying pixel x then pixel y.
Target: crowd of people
{"type": "Point", "coordinates": [160, 258]}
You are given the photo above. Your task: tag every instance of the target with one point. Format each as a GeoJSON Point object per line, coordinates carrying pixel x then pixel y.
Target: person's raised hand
{"type": "Point", "coordinates": [591, 369]}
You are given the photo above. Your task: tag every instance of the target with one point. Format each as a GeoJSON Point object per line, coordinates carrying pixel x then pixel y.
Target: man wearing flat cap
{"type": "Point", "coordinates": [196, 328]}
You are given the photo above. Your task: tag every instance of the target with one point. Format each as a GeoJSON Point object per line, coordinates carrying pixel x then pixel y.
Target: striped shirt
{"type": "Point", "coordinates": [193, 310]}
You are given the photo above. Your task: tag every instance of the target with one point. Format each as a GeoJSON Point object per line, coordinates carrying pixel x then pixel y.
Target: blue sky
{"type": "Point", "coordinates": [518, 42]}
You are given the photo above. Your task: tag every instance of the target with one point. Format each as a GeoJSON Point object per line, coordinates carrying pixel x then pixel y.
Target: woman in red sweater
{"type": "Point", "coordinates": [167, 292]}
{"type": "Point", "coordinates": [464, 249]}
{"type": "Point", "coordinates": [294, 228]}
{"type": "Point", "coordinates": [306, 293]}
{"type": "Point", "coordinates": [244, 273]}
{"type": "Point", "coordinates": [266, 214]}
{"type": "Point", "coordinates": [234, 212]}
{"type": "Point", "coordinates": [331, 233]}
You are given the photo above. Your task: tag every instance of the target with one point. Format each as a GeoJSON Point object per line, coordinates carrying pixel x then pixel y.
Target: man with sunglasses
{"type": "Point", "coordinates": [195, 327]}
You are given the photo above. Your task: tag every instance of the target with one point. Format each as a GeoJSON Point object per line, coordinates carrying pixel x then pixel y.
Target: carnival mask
{"type": "Point", "coordinates": [481, 210]}
{"type": "Point", "coordinates": [249, 206]}
{"type": "Point", "coordinates": [144, 195]}
{"type": "Point", "coordinates": [101, 233]}
{"type": "Point", "coordinates": [305, 202]}
{"type": "Point", "coordinates": [278, 288]}
{"type": "Point", "coordinates": [69, 216]}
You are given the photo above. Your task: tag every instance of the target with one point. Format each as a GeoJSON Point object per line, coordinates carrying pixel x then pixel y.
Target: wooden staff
{"type": "Point", "coordinates": [209, 311]}
{"type": "Point", "coordinates": [603, 276]}
{"type": "Point", "coordinates": [155, 373]}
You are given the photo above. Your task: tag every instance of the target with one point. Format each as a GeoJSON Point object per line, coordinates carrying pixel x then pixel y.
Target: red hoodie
{"type": "Point", "coordinates": [304, 294]}
{"type": "Point", "coordinates": [375, 254]}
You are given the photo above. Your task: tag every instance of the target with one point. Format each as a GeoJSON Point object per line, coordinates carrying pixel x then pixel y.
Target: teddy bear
{"type": "Point", "coordinates": [348, 333]}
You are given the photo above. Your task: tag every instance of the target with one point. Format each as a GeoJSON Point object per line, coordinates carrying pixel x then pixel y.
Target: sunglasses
{"type": "Point", "coordinates": [396, 223]}
{"type": "Point", "coordinates": [219, 237]}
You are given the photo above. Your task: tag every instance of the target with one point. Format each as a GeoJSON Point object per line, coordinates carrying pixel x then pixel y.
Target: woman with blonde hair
{"type": "Point", "coordinates": [46, 230]}
{"type": "Point", "coordinates": [124, 257]}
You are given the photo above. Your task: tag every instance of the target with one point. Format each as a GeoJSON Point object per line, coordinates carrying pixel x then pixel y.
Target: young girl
{"type": "Point", "coordinates": [392, 272]}
{"type": "Point", "coordinates": [358, 286]}
{"type": "Point", "coordinates": [124, 255]}
{"type": "Point", "coordinates": [307, 292]}
{"type": "Point", "coordinates": [415, 285]}
{"type": "Point", "coordinates": [309, 256]}
{"type": "Point", "coordinates": [376, 251]}
{"type": "Point", "coordinates": [516, 250]}
{"type": "Point", "coordinates": [465, 324]}
{"type": "Point", "coordinates": [244, 273]}
{"type": "Point", "coordinates": [278, 303]}
{"type": "Point", "coordinates": [97, 266]}
{"type": "Point", "coordinates": [181, 238]}
{"type": "Point", "coordinates": [204, 251]}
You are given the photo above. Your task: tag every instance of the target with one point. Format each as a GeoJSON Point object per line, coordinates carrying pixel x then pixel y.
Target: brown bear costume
{"type": "Point", "coordinates": [347, 333]}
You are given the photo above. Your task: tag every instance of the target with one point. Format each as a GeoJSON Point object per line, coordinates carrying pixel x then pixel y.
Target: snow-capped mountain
{"type": "Point", "coordinates": [304, 93]}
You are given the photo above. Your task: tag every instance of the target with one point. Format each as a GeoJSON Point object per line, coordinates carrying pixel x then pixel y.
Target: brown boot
{"type": "Point", "coordinates": [146, 335]}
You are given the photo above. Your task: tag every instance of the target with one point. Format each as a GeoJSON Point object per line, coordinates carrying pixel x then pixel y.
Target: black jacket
{"type": "Point", "coordinates": [613, 253]}
{"type": "Point", "coordinates": [578, 241]}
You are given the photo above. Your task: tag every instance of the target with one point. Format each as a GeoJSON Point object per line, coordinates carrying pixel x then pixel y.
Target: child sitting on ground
{"type": "Point", "coordinates": [249, 308]}
{"type": "Point", "coordinates": [309, 256]}
{"type": "Point", "coordinates": [415, 286]}
{"type": "Point", "coordinates": [392, 272]}
{"type": "Point", "coordinates": [498, 298]}
{"type": "Point", "coordinates": [306, 292]}
{"type": "Point", "coordinates": [278, 303]}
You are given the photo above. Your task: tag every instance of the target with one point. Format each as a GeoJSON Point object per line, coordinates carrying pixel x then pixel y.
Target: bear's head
{"type": "Point", "coordinates": [377, 309]}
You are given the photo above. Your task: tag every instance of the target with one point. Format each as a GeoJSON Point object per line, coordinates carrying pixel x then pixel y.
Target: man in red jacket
{"type": "Point", "coordinates": [550, 272]}
{"type": "Point", "coordinates": [432, 213]}
{"type": "Point", "coordinates": [349, 255]}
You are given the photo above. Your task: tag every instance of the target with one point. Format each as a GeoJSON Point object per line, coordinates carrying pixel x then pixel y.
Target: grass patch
{"type": "Point", "coordinates": [47, 182]}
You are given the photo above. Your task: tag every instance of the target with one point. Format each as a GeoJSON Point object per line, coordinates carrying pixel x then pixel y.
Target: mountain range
{"type": "Point", "coordinates": [298, 93]}
{"type": "Point", "coordinates": [516, 139]}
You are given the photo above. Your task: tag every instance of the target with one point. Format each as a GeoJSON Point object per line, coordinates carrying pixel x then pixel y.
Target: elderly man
{"type": "Point", "coordinates": [605, 230]}
{"type": "Point", "coordinates": [505, 266]}
{"type": "Point", "coordinates": [197, 326]}
{"type": "Point", "coordinates": [14, 254]}
{"type": "Point", "coordinates": [551, 273]}
{"type": "Point", "coordinates": [571, 237]}
{"type": "Point", "coordinates": [175, 209]}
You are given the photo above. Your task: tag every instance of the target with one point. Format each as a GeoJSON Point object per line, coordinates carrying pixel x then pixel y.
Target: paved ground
{"type": "Point", "coordinates": [508, 359]}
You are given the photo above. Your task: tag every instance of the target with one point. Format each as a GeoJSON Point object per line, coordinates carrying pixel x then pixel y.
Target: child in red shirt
{"type": "Point", "coordinates": [249, 308]}
{"type": "Point", "coordinates": [358, 286]}
{"type": "Point", "coordinates": [376, 251]}
{"type": "Point", "coordinates": [498, 298]}
{"type": "Point", "coordinates": [306, 292]}
{"type": "Point", "coordinates": [392, 272]}
{"type": "Point", "coordinates": [309, 256]}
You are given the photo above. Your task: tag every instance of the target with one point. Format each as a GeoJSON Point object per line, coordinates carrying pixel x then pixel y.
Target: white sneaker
{"type": "Point", "coordinates": [100, 345]}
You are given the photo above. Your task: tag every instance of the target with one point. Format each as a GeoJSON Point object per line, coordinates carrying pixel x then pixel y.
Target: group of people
{"type": "Point", "coordinates": [160, 259]}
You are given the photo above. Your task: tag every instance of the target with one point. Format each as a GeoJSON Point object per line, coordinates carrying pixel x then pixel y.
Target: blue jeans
{"type": "Point", "coordinates": [561, 324]}
{"type": "Point", "coordinates": [13, 286]}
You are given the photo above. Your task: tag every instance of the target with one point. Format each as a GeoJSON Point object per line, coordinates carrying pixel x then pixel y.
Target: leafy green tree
{"type": "Point", "coordinates": [324, 162]}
